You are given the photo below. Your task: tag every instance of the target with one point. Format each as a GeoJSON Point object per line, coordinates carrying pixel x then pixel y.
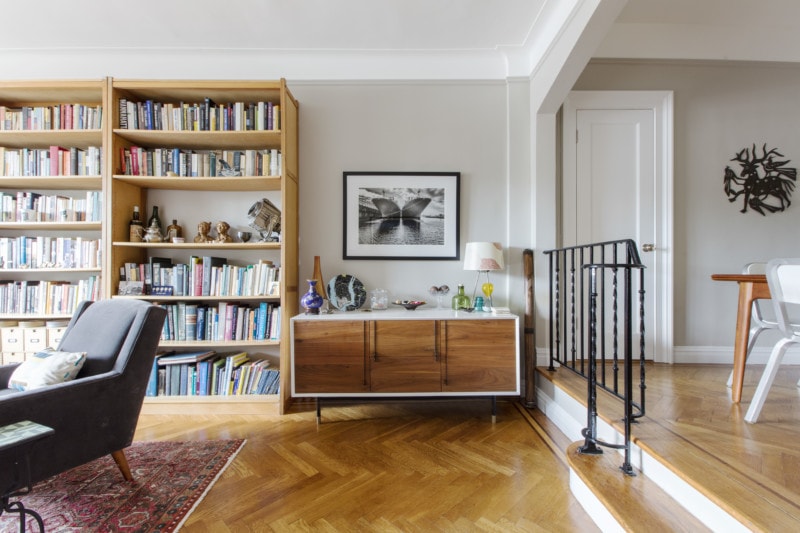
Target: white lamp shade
{"type": "Point", "coordinates": [483, 256]}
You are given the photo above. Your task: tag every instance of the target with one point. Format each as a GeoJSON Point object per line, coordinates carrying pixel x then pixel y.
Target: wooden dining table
{"type": "Point", "coordinates": [751, 287]}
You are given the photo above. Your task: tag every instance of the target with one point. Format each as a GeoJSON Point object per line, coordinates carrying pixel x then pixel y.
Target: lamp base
{"type": "Point", "coordinates": [487, 288]}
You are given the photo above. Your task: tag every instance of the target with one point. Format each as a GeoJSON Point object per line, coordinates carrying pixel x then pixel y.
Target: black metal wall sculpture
{"type": "Point", "coordinates": [764, 182]}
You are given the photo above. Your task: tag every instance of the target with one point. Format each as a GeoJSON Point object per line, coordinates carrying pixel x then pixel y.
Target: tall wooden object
{"type": "Point", "coordinates": [123, 191]}
{"type": "Point", "coordinates": [529, 331]}
{"type": "Point", "coordinates": [318, 276]}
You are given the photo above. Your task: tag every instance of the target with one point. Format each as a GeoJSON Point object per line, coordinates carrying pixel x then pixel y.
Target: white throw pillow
{"type": "Point", "coordinates": [47, 367]}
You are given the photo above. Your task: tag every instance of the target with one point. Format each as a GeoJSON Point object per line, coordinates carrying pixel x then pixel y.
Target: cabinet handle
{"type": "Point", "coordinates": [444, 328]}
{"type": "Point", "coordinates": [435, 342]}
{"type": "Point", "coordinates": [374, 350]}
{"type": "Point", "coordinates": [366, 351]}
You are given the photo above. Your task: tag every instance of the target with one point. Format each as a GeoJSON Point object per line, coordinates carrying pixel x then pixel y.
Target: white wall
{"type": "Point", "coordinates": [402, 126]}
{"type": "Point", "coordinates": [720, 108]}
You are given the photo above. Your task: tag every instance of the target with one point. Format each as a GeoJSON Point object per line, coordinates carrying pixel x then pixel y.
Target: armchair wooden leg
{"type": "Point", "coordinates": [122, 463]}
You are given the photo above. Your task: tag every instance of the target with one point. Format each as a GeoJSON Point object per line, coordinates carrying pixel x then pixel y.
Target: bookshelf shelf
{"type": "Point", "coordinates": [219, 246]}
{"type": "Point", "coordinates": [49, 270]}
{"type": "Point", "coordinates": [202, 140]}
{"type": "Point", "coordinates": [52, 226]}
{"type": "Point", "coordinates": [191, 200]}
{"type": "Point", "coordinates": [216, 344]}
{"type": "Point", "coordinates": [46, 138]}
{"type": "Point", "coordinates": [94, 183]}
{"type": "Point", "coordinates": [222, 405]}
{"type": "Point", "coordinates": [167, 299]}
{"type": "Point", "coordinates": [245, 398]}
{"type": "Point", "coordinates": [35, 316]}
{"type": "Point", "coordinates": [242, 183]}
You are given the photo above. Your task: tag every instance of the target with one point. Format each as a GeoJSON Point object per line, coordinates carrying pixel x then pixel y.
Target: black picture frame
{"type": "Point", "coordinates": [401, 215]}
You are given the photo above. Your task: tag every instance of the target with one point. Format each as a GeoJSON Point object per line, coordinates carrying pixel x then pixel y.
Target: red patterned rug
{"type": "Point", "coordinates": [170, 479]}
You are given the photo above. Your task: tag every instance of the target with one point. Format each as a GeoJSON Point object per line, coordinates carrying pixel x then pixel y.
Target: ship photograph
{"type": "Point", "coordinates": [401, 215]}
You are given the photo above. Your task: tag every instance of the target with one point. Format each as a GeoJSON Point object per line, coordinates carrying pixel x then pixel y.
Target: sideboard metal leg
{"type": "Point", "coordinates": [318, 402]}
{"type": "Point", "coordinates": [494, 409]}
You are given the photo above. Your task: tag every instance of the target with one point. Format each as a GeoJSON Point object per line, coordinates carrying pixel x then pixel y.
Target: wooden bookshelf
{"type": "Point", "coordinates": [49, 99]}
{"type": "Point", "coordinates": [204, 198]}
{"type": "Point", "coordinates": [200, 196]}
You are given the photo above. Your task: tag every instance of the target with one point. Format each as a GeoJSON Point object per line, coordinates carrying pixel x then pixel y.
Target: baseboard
{"type": "Point", "coordinates": [723, 355]}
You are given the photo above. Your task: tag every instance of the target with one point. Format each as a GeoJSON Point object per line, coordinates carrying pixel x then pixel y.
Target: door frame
{"type": "Point", "coordinates": [661, 104]}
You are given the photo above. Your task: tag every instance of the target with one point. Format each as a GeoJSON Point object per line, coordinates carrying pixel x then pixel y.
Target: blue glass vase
{"type": "Point", "coordinates": [312, 300]}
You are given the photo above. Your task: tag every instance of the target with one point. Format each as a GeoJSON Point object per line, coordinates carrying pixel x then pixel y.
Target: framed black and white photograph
{"type": "Point", "coordinates": [401, 215]}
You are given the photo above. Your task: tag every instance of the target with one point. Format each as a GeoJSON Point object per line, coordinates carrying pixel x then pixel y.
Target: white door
{"type": "Point", "coordinates": [618, 185]}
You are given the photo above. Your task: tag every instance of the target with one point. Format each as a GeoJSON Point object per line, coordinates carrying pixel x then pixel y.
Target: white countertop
{"type": "Point", "coordinates": [398, 313]}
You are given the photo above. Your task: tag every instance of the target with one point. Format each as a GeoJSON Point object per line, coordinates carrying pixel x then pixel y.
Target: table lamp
{"type": "Point", "coordinates": [483, 257]}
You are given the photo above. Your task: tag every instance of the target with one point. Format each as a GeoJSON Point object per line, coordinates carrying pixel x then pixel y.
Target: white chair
{"type": "Point", "coordinates": [783, 277]}
{"type": "Point", "coordinates": [760, 319]}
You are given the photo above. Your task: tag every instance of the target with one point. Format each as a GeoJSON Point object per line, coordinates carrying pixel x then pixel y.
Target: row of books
{"type": "Point", "coordinates": [45, 251]}
{"type": "Point", "coordinates": [53, 161]}
{"type": "Point", "coordinates": [225, 321]}
{"type": "Point", "coordinates": [47, 297]}
{"type": "Point", "coordinates": [204, 276]}
{"type": "Point", "coordinates": [207, 373]}
{"type": "Point", "coordinates": [28, 206]}
{"type": "Point", "coordinates": [139, 161]}
{"type": "Point", "coordinates": [54, 117]}
{"type": "Point", "coordinates": [205, 116]}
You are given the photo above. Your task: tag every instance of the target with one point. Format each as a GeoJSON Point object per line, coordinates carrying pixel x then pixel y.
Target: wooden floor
{"type": "Point", "coordinates": [403, 466]}
{"type": "Point", "coordinates": [442, 466]}
{"type": "Point", "coordinates": [750, 470]}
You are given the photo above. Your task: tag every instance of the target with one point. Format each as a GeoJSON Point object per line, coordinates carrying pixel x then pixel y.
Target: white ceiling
{"type": "Point", "coordinates": [382, 38]}
{"type": "Point", "coordinates": [375, 25]}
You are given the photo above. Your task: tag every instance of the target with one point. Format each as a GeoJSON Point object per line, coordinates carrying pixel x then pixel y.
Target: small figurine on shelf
{"type": "Point", "coordinates": [227, 170]}
{"type": "Point", "coordinates": [222, 232]}
{"type": "Point", "coordinates": [203, 230]}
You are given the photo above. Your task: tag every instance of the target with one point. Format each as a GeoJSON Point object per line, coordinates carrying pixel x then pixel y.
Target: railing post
{"type": "Point", "coordinates": [590, 432]}
{"type": "Point", "coordinates": [553, 320]}
{"type": "Point", "coordinates": [628, 381]}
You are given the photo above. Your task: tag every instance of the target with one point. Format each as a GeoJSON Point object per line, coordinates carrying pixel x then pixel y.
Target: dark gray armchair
{"type": "Point", "coordinates": [95, 414]}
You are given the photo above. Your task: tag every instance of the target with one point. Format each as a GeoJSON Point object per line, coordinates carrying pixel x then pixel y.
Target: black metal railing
{"type": "Point", "coordinates": [588, 285]}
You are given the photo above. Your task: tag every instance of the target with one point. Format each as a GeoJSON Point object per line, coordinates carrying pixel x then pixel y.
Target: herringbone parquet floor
{"type": "Point", "coordinates": [420, 466]}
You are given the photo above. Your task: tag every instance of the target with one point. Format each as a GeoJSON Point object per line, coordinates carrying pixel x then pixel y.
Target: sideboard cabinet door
{"type": "Point", "coordinates": [404, 356]}
{"type": "Point", "coordinates": [479, 355]}
{"type": "Point", "coordinates": [330, 357]}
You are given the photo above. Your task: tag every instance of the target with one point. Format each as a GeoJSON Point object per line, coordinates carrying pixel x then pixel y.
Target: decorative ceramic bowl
{"type": "Point", "coordinates": [409, 304]}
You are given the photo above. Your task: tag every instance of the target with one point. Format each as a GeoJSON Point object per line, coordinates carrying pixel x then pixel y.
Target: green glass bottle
{"type": "Point", "coordinates": [157, 219]}
{"type": "Point", "coordinates": [460, 300]}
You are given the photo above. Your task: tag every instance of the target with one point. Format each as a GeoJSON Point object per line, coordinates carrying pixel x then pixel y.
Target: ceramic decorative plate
{"type": "Point", "coordinates": [346, 292]}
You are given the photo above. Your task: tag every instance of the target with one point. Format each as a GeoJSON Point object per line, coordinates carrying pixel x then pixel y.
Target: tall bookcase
{"type": "Point", "coordinates": [194, 199]}
{"type": "Point", "coordinates": [52, 182]}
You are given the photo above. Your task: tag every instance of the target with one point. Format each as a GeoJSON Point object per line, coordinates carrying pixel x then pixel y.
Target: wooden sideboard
{"type": "Point", "coordinates": [399, 353]}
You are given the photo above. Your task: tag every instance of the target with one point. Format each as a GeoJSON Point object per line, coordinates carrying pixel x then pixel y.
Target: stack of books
{"type": "Point", "coordinates": [206, 373]}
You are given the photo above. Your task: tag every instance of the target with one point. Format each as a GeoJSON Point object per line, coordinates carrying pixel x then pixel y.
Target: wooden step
{"type": "Point", "coordinates": [636, 503]}
{"type": "Point", "coordinates": [693, 444]}
{"type": "Point", "coordinates": [633, 503]}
